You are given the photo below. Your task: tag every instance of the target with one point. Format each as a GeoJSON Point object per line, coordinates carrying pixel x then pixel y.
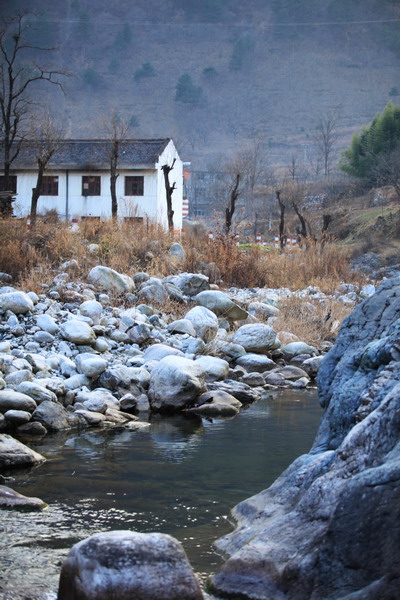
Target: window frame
{"type": "Point", "coordinates": [13, 187]}
{"type": "Point", "coordinates": [94, 187]}
{"type": "Point", "coordinates": [134, 185]}
{"type": "Point", "coordinates": [49, 185]}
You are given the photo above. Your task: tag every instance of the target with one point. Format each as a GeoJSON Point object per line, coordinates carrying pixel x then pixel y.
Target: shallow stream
{"type": "Point", "coordinates": [181, 477]}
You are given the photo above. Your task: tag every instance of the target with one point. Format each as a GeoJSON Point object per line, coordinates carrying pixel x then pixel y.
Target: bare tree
{"type": "Point", "coordinates": [16, 78]}
{"type": "Point", "coordinates": [47, 138]}
{"type": "Point", "coordinates": [325, 138]}
{"type": "Point", "coordinates": [231, 207]}
{"type": "Point", "coordinates": [282, 208]}
{"type": "Point", "coordinates": [166, 169]}
{"type": "Point", "coordinates": [115, 127]}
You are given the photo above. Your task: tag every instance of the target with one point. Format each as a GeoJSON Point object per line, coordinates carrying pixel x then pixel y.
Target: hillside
{"type": "Point", "coordinates": [264, 70]}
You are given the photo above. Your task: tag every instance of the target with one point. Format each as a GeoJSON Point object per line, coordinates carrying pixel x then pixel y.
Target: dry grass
{"type": "Point", "coordinates": [128, 248]}
{"type": "Point", "coordinates": [312, 321]}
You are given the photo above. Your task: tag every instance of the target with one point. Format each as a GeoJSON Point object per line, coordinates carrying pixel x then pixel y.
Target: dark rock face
{"type": "Point", "coordinates": [127, 565]}
{"type": "Point", "coordinates": [329, 527]}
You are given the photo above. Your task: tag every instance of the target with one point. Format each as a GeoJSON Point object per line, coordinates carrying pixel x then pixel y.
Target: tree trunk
{"type": "Point", "coordinates": [113, 178]}
{"type": "Point", "coordinates": [36, 191]}
{"type": "Point", "coordinates": [303, 230]}
{"type": "Point", "coordinates": [6, 201]}
{"type": "Point", "coordinates": [230, 209]}
{"type": "Point", "coordinates": [282, 207]}
{"type": "Point", "coordinates": [166, 169]}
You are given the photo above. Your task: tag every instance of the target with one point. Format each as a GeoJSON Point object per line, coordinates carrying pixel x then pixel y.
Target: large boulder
{"type": "Point", "coordinates": [78, 332]}
{"type": "Point", "coordinates": [204, 321]}
{"type": "Point", "coordinates": [52, 416]}
{"type": "Point", "coordinates": [330, 524]}
{"type": "Point", "coordinates": [18, 302]}
{"type": "Point", "coordinates": [10, 499]}
{"type": "Point", "coordinates": [14, 454]}
{"type": "Point", "coordinates": [174, 383]}
{"type": "Point", "coordinates": [191, 284]}
{"type": "Point", "coordinates": [12, 400]}
{"type": "Point", "coordinates": [220, 304]}
{"type": "Point", "coordinates": [256, 337]}
{"type": "Point", "coordinates": [128, 565]}
{"type": "Point", "coordinates": [110, 280]}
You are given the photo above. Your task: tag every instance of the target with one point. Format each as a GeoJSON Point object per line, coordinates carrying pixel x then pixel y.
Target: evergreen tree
{"type": "Point", "coordinates": [381, 137]}
{"type": "Point", "coordinates": [186, 91]}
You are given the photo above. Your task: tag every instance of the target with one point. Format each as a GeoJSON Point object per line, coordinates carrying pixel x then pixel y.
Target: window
{"type": "Point", "coordinates": [134, 185]}
{"type": "Point", "coordinates": [49, 185]}
{"type": "Point", "coordinates": [91, 185]}
{"type": "Point", "coordinates": [10, 185]}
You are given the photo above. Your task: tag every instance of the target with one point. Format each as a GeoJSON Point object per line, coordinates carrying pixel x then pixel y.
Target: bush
{"type": "Point", "coordinates": [146, 70]}
{"type": "Point", "coordinates": [186, 91]}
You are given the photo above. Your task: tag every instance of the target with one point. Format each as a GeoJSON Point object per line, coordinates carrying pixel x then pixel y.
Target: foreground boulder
{"type": "Point", "coordinates": [9, 498]}
{"type": "Point", "coordinates": [18, 302]}
{"type": "Point", "coordinates": [110, 280]}
{"type": "Point", "coordinates": [257, 337]}
{"type": "Point", "coordinates": [14, 454]}
{"type": "Point", "coordinates": [174, 383]}
{"type": "Point", "coordinates": [329, 526]}
{"type": "Point", "coordinates": [126, 565]}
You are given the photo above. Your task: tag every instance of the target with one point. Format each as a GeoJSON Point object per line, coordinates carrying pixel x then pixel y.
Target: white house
{"type": "Point", "coordinates": [77, 180]}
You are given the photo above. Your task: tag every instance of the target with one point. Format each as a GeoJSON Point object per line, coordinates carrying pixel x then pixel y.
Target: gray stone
{"type": "Point", "coordinates": [93, 367]}
{"type": "Point", "coordinates": [191, 284]}
{"type": "Point", "coordinates": [255, 362]}
{"type": "Point", "coordinates": [17, 417]}
{"type": "Point", "coordinates": [10, 499]}
{"type": "Point", "coordinates": [110, 280]}
{"type": "Point", "coordinates": [220, 304]}
{"type": "Point", "coordinates": [153, 291]}
{"type": "Point", "coordinates": [159, 351]}
{"type": "Point", "coordinates": [128, 565]}
{"type": "Point", "coordinates": [253, 379]}
{"type": "Point", "coordinates": [257, 337]}
{"type": "Point", "coordinates": [292, 372]}
{"type": "Point", "coordinates": [14, 454]}
{"type": "Point", "coordinates": [18, 377]}
{"type": "Point", "coordinates": [241, 391]}
{"type": "Point", "coordinates": [215, 403]}
{"type": "Point", "coordinates": [12, 400]}
{"type": "Point", "coordinates": [262, 310]}
{"type": "Point", "coordinates": [18, 302]}
{"type": "Point", "coordinates": [77, 332]}
{"type": "Point", "coordinates": [328, 527]}
{"type": "Point", "coordinates": [47, 323]}
{"type": "Point", "coordinates": [174, 383]}
{"type": "Point", "coordinates": [91, 309]}
{"type": "Point", "coordinates": [204, 321]}
{"type": "Point", "coordinates": [295, 348]}
{"type": "Point", "coordinates": [214, 368]}
{"type": "Point", "coordinates": [183, 326]}
{"type": "Point", "coordinates": [52, 416]}
{"type": "Point", "coordinates": [177, 252]}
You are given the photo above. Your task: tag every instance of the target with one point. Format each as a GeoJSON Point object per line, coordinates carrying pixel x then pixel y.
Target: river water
{"type": "Point", "coordinates": [181, 477]}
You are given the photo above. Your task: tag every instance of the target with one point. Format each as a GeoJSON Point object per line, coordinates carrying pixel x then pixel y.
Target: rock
{"type": "Point", "coordinates": [32, 428]}
{"type": "Point", "coordinates": [36, 391]}
{"type": "Point", "coordinates": [52, 416]}
{"type": "Point", "coordinates": [174, 383]}
{"type": "Point", "coordinates": [255, 362]}
{"type": "Point", "coordinates": [183, 326]}
{"type": "Point", "coordinates": [215, 403]}
{"type": "Point", "coordinates": [214, 368]}
{"type": "Point", "coordinates": [257, 337]}
{"type": "Point", "coordinates": [47, 323]}
{"type": "Point", "coordinates": [12, 400]}
{"type": "Point", "coordinates": [177, 252]}
{"type": "Point", "coordinates": [292, 372]}
{"type": "Point", "coordinates": [18, 377]}
{"type": "Point", "coordinates": [93, 249]}
{"type": "Point", "coordinates": [191, 284]}
{"type": "Point", "coordinates": [14, 454]}
{"type": "Point", "coordinates": [153, 291]}
{"type": "Point", "coordinates": [204, 322]}
{"type": "Point", "coordinates": [137, 426]}
{"type": "Point", "coordinates": [159, 351]}
{"type": "Point", "coordinates": [93, 367]}
{"type": "Point", "coordinates": [253, 379]}
{"type": "Point", "coordinates": [9, 498]}
{"type": "Point", "coordinates": [241, 391]}
{"type": "Point", "coordinates": [91, 309]}
{"type": "Point", "coordinates": [18, 302]}
{"type": "Point", "coordinates": [296, 348]}
{"type": "Point", "coordinates": [78, 332]}
{"type": "Point", "coordinates": [308, 535]}
{"type": "Point", "coordinates": [262, 310]}
{"type": "Point", "coordinates": [220, 304]}
{"type": "Point", "coordinates": [110, 280]}
{"type": "Point", "coordinates": [128, 565]}
{"type": "Point", "coordinates": [312, 365]}
{"type": "Point", "coordinates": [17, 417]}
{"type": "Point", "coordinates": [92, 418]}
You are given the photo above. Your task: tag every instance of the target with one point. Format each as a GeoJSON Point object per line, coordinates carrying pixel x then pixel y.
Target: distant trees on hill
{"type": "Point", "coordinates": [187, 92]}
{"type": "Point", "coordinates": [374, 153]}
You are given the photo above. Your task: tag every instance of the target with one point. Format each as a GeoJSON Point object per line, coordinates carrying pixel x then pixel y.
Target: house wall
{"type": "Point", "coordinates": [176, 176]}
{"type": "Point", "coordinates": [152, 204]}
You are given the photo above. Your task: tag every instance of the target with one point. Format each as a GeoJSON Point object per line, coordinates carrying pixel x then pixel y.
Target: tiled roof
{"type": "Point", "coordinates": [94, 154]}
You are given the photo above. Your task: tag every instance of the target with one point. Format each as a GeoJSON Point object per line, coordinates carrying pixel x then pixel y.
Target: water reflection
{"type": "Point", "coordinates": [181, 477]}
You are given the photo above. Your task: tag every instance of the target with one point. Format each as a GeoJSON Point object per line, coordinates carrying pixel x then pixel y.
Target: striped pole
{"type": "Point", "coordinates": [258, 238]}
{"type": "Point", "coordinates": [210, 235]}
